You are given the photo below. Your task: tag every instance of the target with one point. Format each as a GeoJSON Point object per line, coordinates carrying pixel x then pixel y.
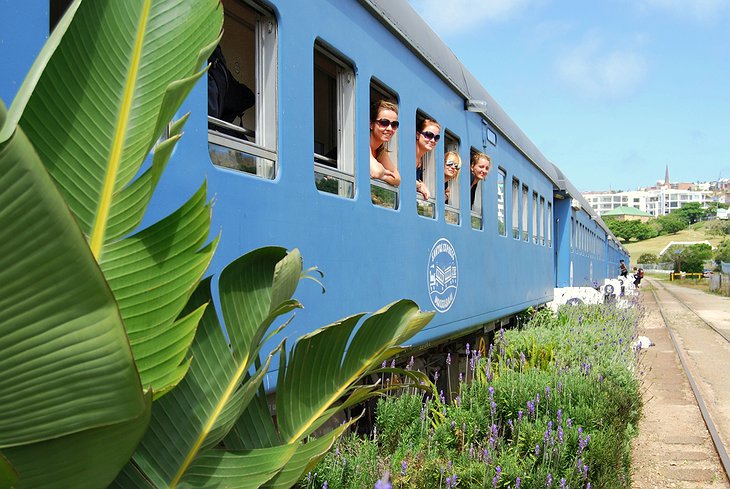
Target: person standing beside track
{"type": "Point", "coordinates": [623, 271]}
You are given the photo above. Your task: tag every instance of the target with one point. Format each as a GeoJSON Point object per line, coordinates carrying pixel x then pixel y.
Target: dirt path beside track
{"type": "Point", "coordinates": [674, 448]}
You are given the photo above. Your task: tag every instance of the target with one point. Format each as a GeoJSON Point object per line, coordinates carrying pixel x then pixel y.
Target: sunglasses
{"type": "Point", "coordinates": [429, 135]}
{"type": "Point", "coordinates": [385, 123]}
{"type": "Point", "coordinates": [454, 164]}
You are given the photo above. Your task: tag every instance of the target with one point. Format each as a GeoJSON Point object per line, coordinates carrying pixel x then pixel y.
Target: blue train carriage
{"type": "Point", "coordinates": [293, 169]}
{"type": "Point", "coordinates": [587, 253]}
{"type": "Point", "coordinates": [290, 166]}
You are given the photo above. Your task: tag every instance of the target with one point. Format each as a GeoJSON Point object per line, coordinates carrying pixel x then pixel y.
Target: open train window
{"type": "Point", "coordinates": [334, 124]}
{"type": "Point", "coordinates": [475, 190]}
{"type": "Point", "coordinates": [428, 133]}
{"type": "Point", "coordinates": [542, 221]}
{"type": "Point", "coordinates": [550, 224]}
{"type": "Point", "coordinates": [525, 213]}
{"type": "Point", "coordinates": [515, 208]}
{"type": "Point", "coordinates": [534, 217]}
{"type": "Point", "coordinates": [242, 109]}
{"type": "Point", "coordinates": [384, 191]}
{"type": "Point", "coordinates": [501, 224]}
{"type": "Point", "coordinates": [452, 170]}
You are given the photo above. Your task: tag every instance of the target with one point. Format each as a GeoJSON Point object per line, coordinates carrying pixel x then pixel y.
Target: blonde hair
{"type": "Point", "coordinates": [453, 155]}
{"type": "Point", "coordinates": [478, 155]}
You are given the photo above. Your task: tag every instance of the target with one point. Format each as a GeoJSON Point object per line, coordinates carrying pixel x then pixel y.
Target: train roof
{"type": "Point", "coordinates": [401, 19]}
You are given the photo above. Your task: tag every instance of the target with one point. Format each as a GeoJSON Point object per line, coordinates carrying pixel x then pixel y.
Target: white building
{"type": "Point", "coordinates": [655, 201]}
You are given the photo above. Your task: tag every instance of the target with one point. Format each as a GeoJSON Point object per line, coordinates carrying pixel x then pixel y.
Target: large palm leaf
{"type": "Point", "coordinates": [93, 114]}
{"type": "Point", "coordinates": [69, 389]}
{"type": "Point", "coordinates": [215, 428]}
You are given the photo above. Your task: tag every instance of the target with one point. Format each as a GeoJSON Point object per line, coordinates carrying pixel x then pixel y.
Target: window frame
{"type": "Point", "coordinates": [344, 168]}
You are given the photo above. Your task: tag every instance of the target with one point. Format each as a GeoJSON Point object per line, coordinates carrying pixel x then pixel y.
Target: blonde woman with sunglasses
{"type": "Point", "coordinates": [452, 165]}
{"type": "Point", "coordinates": [427, 135]}
{"type": "Point", "coordinates": [383, 125]}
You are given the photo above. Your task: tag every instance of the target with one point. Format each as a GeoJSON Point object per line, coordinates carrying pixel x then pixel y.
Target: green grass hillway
{"type": "Point", "coordinates": [555, 403]}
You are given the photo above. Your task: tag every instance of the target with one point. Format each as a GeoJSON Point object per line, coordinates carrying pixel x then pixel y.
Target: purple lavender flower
{"type": "Point", "coordinates": [523, 360]}
{"type": "Point", "coordinates": [385, 364]}
{"type": "Point", "coordinates": [549, 482]}
{"type": "Point", "coordinates": [519, 416]}
{"type": "Point", "coordinates": [560, 386]}
{"type": "Point", "coordinates": [383, 484]}
{"type": "Point", "coordinates": [491, 392]}
{"type": "Point", "coordinates": [537, 450]}
{"type": "Point", "coordinates": [493, 408]}
{"type": "Point", "coordinates": [403, 467]}
{"type": "Point", "coordinates": [448, 359]}
{"type": "Point", "coordinates": [562, 483]}
{"type": "Point", "coordinates": [448, 482]}
{"type": "Point", "coordinates": [453, 423]}
{"type": "Point", "coordinates": [436, 376]}
{"type": "Point", "coordinates": [560, 416]}
{"type": "Point", "coordinates": [325, 485]}
{"type": "Point", "coordinates": [461, 377]}
{"type": "Point", "coordinates": [560, 434]}
{"type": "Point", "coordinates": [570, 422]}
{"type": "Point", "coordinates": [547, 392]}
{"type": "Point", "coordinates": [467, 349]}
{"type": "Point", "coordinates": [518, 482]}
{"type": "Point", "coordinates": [530, 408]}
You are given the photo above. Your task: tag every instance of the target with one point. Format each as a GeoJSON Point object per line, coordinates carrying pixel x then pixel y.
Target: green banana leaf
{"type": "Point", "coordinates": [193, 418]}
{"type": "Point", "coordinates": [94, 112]}
{"type": "Point", "coordinates": [323, 366]}
{"type": "Point", "coordinates": [68, 384]}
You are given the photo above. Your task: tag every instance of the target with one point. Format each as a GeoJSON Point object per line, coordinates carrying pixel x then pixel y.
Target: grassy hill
{"type": "Point", "coordinates": [655, 245]}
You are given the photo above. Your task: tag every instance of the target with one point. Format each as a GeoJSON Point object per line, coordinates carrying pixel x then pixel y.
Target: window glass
{"type": "Point", "coordinates": [334, 124]}
{"type": "Point", "coordinates": [542, 221]}
{"type": "Point", "coordinates": [479, 166]}
{"type": "Point", "coordinates": [550, 224]}
{"type": "Point", "coordinates": [534, 217]}
{"type": "Point", "coordinates": [242, 98]}
{"type": "Point", "coordinates": [501, 225]}
{"type": "Point", "coordinates": [515, 208]}
{"type": "Point", "coordinates": [428, 135]}
{"type": "Point", "coordinates": [383, 147]}
{"type": "Point", "coordinates": [452, 167]}
{"type": "Point", "coordinates": [525, 213]}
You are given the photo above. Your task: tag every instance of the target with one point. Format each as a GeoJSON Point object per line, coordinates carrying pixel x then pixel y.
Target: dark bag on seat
{"type": "Point", "coordinates": [227, 97]}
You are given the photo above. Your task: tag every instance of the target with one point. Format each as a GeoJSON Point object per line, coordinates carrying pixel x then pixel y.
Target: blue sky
{"type": "Point", "coordinates": [611, 91]}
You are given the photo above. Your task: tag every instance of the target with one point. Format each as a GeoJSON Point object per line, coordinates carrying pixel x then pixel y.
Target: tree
{"type": "Point", "coordinates": [691, 212]}
{"type": "Point", "coordinates": [648, 258]}
{"type": "Point", "coordinates": [693, 258]}
{"type": "Point", "coordinates": [722, 254]}
{"type": "Point", "coordinates": [671, 223]}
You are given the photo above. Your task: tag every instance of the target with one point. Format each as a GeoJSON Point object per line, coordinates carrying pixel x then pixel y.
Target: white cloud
{"type": "Point", "coordinates": [701, 10]}
{"type": "Point", "coordinates": [596, 72]}
{"type": "Point", "coordinates": [462, 15]}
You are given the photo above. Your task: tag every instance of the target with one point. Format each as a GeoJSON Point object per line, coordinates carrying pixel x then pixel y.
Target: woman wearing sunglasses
{"type": "Point", "coordinates": [383, 124]}
{"type": "Point", "coordinates": [427, 135]}
{"type": "Point", "coordinates": [452, 165]}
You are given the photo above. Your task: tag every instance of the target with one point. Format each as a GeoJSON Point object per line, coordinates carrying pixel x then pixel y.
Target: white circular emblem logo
{"type": "Point", "coordinates": [443, 277]}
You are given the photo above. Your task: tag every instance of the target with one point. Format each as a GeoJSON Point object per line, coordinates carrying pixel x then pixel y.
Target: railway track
{"type": "Point", "coordinates": [707, 412]}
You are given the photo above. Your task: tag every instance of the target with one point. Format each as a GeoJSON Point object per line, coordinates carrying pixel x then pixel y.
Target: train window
{"type": "Point", "coordinates": [491, 137]}
{"type": "Point", "coordinates": [428, 133]}
{"type": "Point", "coordinates": [334, 124]}
{"type": "Point", "coordinates": [452, 169]}
{"type": "Point", "coordinates": [56, 10]}
{"type": "Point", "coordinates": [525, 213]}
{"type": "Point", "coordinates": [384, 191]}
{"type": "Point", "coordinates": [475, 190]}
{"type": "Point", "coordinates": [550, 224]}
{"type": "Point", "coordinates": [501, 225]}
{"type": "Point", "coordinates": [515, 208]}
{"type": "Point", "coordinates": [542, 221]}
{"type": "Point", "coordinates": [242, 125]}
{"type": "Point", "coordinates": [534, 217]}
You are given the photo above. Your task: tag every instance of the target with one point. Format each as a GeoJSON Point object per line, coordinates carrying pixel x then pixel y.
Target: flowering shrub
{"type": "Point", "coordinates": [552, 404]}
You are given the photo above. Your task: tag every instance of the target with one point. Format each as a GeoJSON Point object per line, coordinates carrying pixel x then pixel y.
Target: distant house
{"type": "Point", "coordinates": [626, 213]}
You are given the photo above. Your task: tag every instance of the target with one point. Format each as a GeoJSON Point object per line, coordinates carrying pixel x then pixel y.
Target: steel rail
{"type": "Point", "coordinates": [717, 442]}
